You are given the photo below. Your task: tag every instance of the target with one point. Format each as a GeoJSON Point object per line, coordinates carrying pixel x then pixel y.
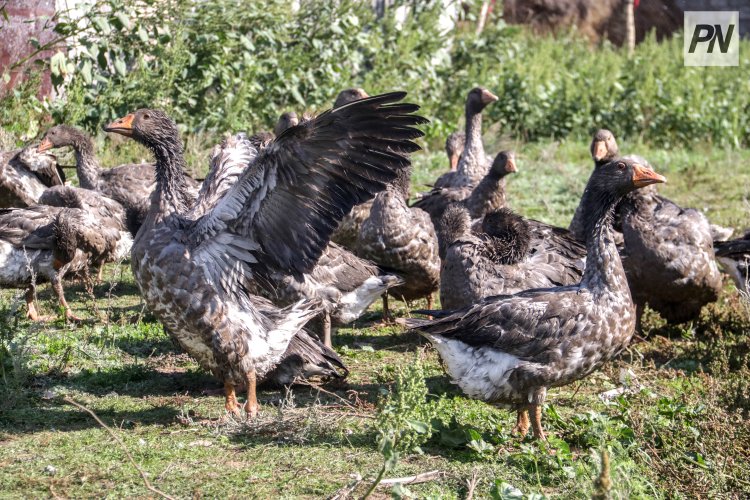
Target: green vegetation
{"type": "Point", "coordinates": [679, 430]}
{"type": "Point", "coordinates": [220, 65]}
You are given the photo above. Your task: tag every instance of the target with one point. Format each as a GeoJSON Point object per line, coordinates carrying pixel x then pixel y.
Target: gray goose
{"type": "Point", "coordinates": [45, 243]}
{"type": "Point", "coordinates": [667, 250]}
{"type": "Point", "coordinates": [130, 185]}
{"type": "Point", "coordinates": [195, 270]}
{"type": "Point", "coordinates": [504, 257]}
{"type": "Point", "coordinates": [402, 240]}
{"type": "Point", "coordinates": [603, 150]}
{"type": "Point", "coordinates": [305, 357]}
{"type": "Point", "coordinates": [509, 349]}
{"type": "Point", "coordinates": [668, 256]}
{"type": "Point", "coordinates": [286, 120]}
{"type": "Point", "coordinates": [345, 284]}
{"type": "Point", "coordinates": [489, 194]}
{"type": "Point", "coordinates": [25, 174]}
{"type": "Point", "coordinates": [454, 146]}
{"type": "Point", "coordinates": [734, 257]}
{"type": "Point", "coordinates": [472, 166]}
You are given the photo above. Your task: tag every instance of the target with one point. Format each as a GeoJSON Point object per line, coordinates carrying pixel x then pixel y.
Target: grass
{"type": "Point", "coordinates": [678, 430]}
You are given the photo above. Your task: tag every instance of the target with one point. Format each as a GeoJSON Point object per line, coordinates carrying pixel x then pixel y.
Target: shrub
{"type": "Point", "coordinates": [221, 65]}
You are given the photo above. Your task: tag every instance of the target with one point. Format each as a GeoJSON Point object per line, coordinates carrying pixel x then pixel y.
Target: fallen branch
{"type": "Point", "coordinates": [419, 478]}
{"type": "Point", "coordinates": [122, 445]}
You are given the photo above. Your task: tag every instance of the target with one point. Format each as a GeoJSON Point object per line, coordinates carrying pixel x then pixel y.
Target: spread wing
{"type": "Point", "coordinates": [283, 208]}
{"type": "Point", "coordinates": [228, 161]}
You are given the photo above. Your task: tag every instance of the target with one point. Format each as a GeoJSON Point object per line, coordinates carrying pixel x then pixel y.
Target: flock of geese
{"type": "Point", "coordinates": [311, 224]}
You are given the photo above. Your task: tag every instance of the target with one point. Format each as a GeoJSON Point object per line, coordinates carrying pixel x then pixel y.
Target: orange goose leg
{"type": "Point", "coordinates": [536, 422]}
{"type": "Point", "coordinates": [522, 422]}
{"type": "Point", "coordinates": [251, 406]}
{"type": "Point", "coordinates": [230, 399]}
{"type": "Point", "coordinates": [32, 313]}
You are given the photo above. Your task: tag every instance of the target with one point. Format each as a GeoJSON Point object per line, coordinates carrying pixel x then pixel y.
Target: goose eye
{"type": "Point", "coordinates": [621, 166]}
{"type": "Point", "coordinates": [146, 116]}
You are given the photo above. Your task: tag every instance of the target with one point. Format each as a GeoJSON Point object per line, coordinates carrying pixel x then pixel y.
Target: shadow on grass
{"type": "Point", "coordinates": [60, 416]}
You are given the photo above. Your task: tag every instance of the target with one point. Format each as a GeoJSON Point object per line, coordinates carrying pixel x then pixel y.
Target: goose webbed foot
{"type": "Point", "coordinates": [230, 400]}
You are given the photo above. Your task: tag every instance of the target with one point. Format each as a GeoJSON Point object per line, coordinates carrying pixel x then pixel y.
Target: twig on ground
{"type": "Point", "coordinates": [416, 479]}
{"type": "Point", "coordinates": [344, 492]}
{"type": "Point", "coordinates": [471, 485]}
{"type": "Point", "coordinates": [319, 388]}
{"type": "Point", "coordinates": [122, 445]}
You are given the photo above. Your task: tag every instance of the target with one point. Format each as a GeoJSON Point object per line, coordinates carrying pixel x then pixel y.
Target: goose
{"type": "Point", "coordinates": [603, 150]}
{"type": "Point", "coordinates": [667, 250]}
{"type": "Point", "coordinates": [195, 268]}
{"type": "Point", "coordinates": [454, 146]}
{"type": "Point", "coordinates": [668, 257]}
{"type": "Point", "coordinates": [506, 255]}
{"type": "Point", "coordinates": [45, 243]}
{"type": "Point", "coordinates": [734, 257]}
{"type": "Point", "coordinates": [286, 120]}
{"type": "Point", "coordinates": [130, 185]}
{"type": "Point", "coordinates": [473, 162]}
{"type": "Point", "coordinates": [509, 349]}
{"type": "Point", "coordinates": [489, 195]}
{"type": "Point", "coordinates": [402, 240]}
{"type": "Point", "coordinates": [346, 285]}
{"type": "Point", "coordinates": [25, 174]}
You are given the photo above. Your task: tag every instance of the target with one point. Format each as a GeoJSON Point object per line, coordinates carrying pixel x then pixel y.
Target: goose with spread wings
{"type": "Point", "coordinates": [196, 267]}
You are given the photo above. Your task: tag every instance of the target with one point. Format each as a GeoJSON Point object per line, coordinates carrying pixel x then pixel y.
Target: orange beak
{"type": "Point", "coordinates": [488, 97]}
{"type": "Point", "coordinates": [122, 126]}
{"type": "Point", "coordinates": [510, 166]}
{"type": "Point", "coordinates": [45, 145]}
{"type": "Point", "coordinates": [642, 176]}
{"type": "Point", "coordinates": [599, 150]}
{"type": "Point", "coordinates": [454, 162]}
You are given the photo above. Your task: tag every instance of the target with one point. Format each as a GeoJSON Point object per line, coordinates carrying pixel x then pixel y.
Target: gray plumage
{"type": "Point", "coordinates": [25, 174]}
{"type": "Point", "coordinates": [130, 185]}
{"type": "Point", "coordinates": [195, 270]}
{"type": "Point", "coordinates": [510, 349]}
{"type": "Point", "coordinates": [734, 257]}
{"type": "Point", "coordinates": [508, 255]}
{"type": "Point", "coordinates": [45, 243]}
{"type": "Point", "coordinates": [473, 162]}
{"type": "Point", "coordinates": [454, 146]}
{"type": "Point", "coordinates": [669, 256]}
{"type": "Point", "coordinates": [402, 240]}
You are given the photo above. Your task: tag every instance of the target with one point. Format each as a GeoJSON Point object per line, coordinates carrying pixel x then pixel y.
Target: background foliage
{"type": "Point", "coordinates": [221, 65]}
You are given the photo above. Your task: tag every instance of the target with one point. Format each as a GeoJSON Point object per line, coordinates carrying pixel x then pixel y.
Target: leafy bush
{"type": "Point", "coordinates": [220, 65]}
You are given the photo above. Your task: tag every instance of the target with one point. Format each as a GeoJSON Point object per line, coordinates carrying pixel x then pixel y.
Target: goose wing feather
{"type": "Point", "coordinates": [285, 206]}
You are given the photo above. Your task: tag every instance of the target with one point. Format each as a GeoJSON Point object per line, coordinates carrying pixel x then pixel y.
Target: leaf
{"type": "Point", "coordinates": [120, 67]}
{"type": "Point", "coordinates": [102, 25]}
{"type": "Point", "coordinates": [400, 491]}
{"type": "Point", "coordinates": [505, 491]}
{"type": "Point", "coordinates": [57, 64]}
{"type": "Point", "coordinates": [297, 96]}
{"type": "Point", "coordinates": [420, 427]}
{"type": "Point", "coordinates": [86, 72]}
{"type": "Point", "coordinates": [142, 33]}
{"type": "Point", "coordinates": [123, 19]}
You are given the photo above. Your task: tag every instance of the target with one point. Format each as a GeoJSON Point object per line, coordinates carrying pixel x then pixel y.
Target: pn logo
{"type": "Point", "coordinates": [712, 38]}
